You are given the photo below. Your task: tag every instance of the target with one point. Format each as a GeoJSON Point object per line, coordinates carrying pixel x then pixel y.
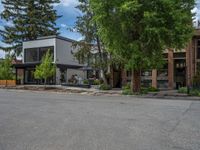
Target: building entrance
{"type": "Point", "coordinates": [180, 73]}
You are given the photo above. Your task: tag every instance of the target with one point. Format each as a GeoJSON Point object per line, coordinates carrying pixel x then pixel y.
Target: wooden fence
{"type": "Point", "coordinates": [7, 82]}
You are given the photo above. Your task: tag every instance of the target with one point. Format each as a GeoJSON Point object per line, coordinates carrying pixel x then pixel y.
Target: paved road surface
{"type": "Point", "coordinates": [47, 121]}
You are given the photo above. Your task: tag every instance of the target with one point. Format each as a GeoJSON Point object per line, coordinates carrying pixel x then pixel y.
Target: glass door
{"type": "Point", "coordinates": [29, 76]}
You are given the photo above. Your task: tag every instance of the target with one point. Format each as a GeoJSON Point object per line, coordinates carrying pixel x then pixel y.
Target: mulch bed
{"type": "Point", "coordinates": [49, 89]}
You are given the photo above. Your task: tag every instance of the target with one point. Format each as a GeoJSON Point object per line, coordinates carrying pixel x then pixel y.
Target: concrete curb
{"type": "Point", "coordinates": [95, 92]}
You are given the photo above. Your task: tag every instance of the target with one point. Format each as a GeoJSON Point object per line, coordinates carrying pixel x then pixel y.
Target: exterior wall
{"type": "Point", "coordinates": [40, 43]}
{"type": "Point", "coordinates": [191, 59]}
{"type": "Point", "coordinates": [58, 76]}
{"type": "Point", "coordinates": [164, 78]}
{"type": "Point", "coordinates": [64, 53]}
{"type": "Point", "coordinates": [171, 69]}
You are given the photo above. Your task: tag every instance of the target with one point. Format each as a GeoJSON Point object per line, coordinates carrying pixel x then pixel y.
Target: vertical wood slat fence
{"type": "Point", "coordinates": [7, 82]}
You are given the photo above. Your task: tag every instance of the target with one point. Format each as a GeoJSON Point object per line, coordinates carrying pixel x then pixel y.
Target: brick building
{"type": "Point", "coordinates": [178, 71]}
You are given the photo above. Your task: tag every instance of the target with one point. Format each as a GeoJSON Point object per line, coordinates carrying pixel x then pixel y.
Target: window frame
{"type": "Point", "coordinates": [38, 53]}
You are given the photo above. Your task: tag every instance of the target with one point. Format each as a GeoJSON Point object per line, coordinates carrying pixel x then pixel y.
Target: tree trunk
{"type": "Point", "coordinates": [102, 74]}
{"type": "Point", "coordinates": [45, 83]}
{"type": "Point", "coordinates": [136, 81]}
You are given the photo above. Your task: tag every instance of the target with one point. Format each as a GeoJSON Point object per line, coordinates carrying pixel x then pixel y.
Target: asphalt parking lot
{"type": "Point", "coordinates": [52, 121]}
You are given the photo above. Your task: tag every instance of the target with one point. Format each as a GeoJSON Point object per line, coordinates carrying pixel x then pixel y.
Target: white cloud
{"type": "Point", "coordinates": [1, 7]}
{"type": "Point", "coordinates": [69, 2]}
{"type": "Point", "coordinates": [63, 25]}
{"type": "Point", "coordinates": [2, 54]}
{"type": "Point", "coordinates": [80, 38]}
{"type": "Point", "coordinates": [1, 27]}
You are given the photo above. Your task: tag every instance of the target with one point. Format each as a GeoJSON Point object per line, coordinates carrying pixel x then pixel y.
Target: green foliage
{"type": "Point", "coordinates": [192, 91]}
{"type": "Point", "coordinates": [96, 82]}
{"type": "Point", "coordinates": [144, 91]}
{"type": "Point", "coordinates": [91, 49]}
{"type": "Point", "coordinates": [127, 87]}
{"type": "Point", "coordinates": [139, 31]}
{"type": "Point", "coordinates": [195, 92]}
{"type": "Point", "coordinates": [46, 69]}
{"type": "Point", "coordinates": [85, 25]}
{"type": "Point", "coordinates": [27, 20]}
{"type": "Point", "coordinates": [6, 69]}
{"type": "Point", "coordinates": [183, 90]}
{"type": "Point", "coordinates": [153, 89]}
{"type": "Point", "coordinates": [105, 87]}
{"type": "Point", "coordinates": [127, 92]}
{"type": "Point", "coordinates": [85, 82]}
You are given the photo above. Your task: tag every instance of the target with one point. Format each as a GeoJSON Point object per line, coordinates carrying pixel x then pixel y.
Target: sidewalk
{"type": "Point", "coordinates": [167, 94]}
{"type": "Point", "coordinates": [171, 94]}
{"type": "Point", "coordinates": [66, 89]}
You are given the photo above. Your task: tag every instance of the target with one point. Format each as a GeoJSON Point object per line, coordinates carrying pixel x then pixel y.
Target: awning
{"type": "Point", "coordinates": [24, 66]}
{"type": "Point", "coordinates": [87, 68]}
{"type": "Point", "coordinates": [66, 66]}
{"type": "Point", "coordinates": [33, 65]}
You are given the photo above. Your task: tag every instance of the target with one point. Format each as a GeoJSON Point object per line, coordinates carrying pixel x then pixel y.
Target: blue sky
{"type": "Point", "coordinates": [67, 9]}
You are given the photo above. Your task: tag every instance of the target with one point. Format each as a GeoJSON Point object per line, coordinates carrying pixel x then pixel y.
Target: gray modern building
{"type": "Point", "coordinates": [62, 51]}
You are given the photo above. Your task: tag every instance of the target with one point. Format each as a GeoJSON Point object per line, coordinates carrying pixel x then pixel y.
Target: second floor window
{"type": "Point", "coordinates": [35, 54]}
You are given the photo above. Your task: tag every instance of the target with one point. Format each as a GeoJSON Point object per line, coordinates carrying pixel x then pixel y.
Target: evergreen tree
{"type": "Point", "coordinates": [27, 20]}
{"type": "Point", "coordinates": [6, 69]}
{"type": "Point", "coordinates": [139, 30]}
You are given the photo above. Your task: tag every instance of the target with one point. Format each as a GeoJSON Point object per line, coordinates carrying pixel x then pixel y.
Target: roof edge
{"type": "Point", "coordinates": [52, 37]}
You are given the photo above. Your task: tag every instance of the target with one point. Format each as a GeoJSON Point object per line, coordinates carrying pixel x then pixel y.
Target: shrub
{"type": "Point", "coordinates": [105, 87]}
{"type": "Point", "coordinates": [182, 90]}
{"type": "Point", "coordinates": [153, 89]}
{"type": "Point", "coordinates": [144, 90]}
{"type": "Point", "coordinates": [127, 92]}
{"type": "Point", "coordinates": [127, 87]}
{"type": "Point", "coordinates": [6, 69]}
{"type": "Point", "coordinates": [96, 82]}
{"type": "Point", "coordinates": [194, 92]}
{"type": "Point", "coordinates": [85, 82]}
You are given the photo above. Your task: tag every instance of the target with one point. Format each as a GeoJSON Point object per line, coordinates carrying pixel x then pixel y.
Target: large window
{"type": "Point", "coordinates": [31, 55]}
{"type": "Point", "coordinates": [35, 54]}
{"type": "Point", "coordinates": [44, 50]}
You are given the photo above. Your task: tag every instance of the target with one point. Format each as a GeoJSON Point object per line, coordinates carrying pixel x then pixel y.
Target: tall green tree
{"type": "Point", "coordinates": [46, 69]}
{"type": "Point", "coordinates": [6, 69]}
{"type": "Point", "coordinates": [27, 20]}
{"type": "Point", "coordinates": [91, 42]}
{"type": "Point", "coordinates": [139, 30]}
